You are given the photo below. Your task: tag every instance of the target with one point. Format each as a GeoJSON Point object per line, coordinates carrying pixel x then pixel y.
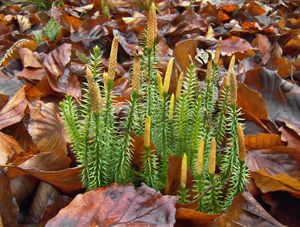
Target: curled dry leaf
{"type": "Point", "coordinates": [51, 168]}
{"type": "Point", "coordinates": [8, 148]}
{"type": "Point", "coordinates": [46, 204]}
{"type": "Point", "coordinates": [281, 106]}
{"type": "Point", "coordinates": [57, 66]}
{"type": "Point", "coordinates": [28, 58]}
{"type": "Point", "coordinates": [246, 211]}
{"type": "Point", "coordinates": [188, 47]}
{"type": "Point", "coordinates": [14, 110]}
{"type": "Point", "coordinates": [118, 206]}
{"type": "Point", "coordinates": [290, 137]}
{"type": "Point", "coordinates": [46, 128]}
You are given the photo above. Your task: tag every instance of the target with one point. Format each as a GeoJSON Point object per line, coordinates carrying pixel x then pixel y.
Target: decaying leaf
{"type": "Point", "coordinates": [118, 205]}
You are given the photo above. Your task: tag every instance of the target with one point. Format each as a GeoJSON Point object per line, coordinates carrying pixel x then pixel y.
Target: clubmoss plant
{"type": "Point", "coordinates": [200, 123]}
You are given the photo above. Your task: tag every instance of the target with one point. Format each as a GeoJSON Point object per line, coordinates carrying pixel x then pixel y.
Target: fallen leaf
{"type": "Point", "coordinates": [46, 128]}
{"type": "Point", "coordinates": [275, 169]}
{"type": "Point", "coordinates": [118, 205]}
{"type": "Point", "coordinates": [46, 204]}
{"type": "Point", "coordinates": [246, 211]}
{"type": "Point", "coordinates": [66, 180]}
{"type": "Point", "coordinates": [9, 209]}
{"type": "Point", "coordinates": [188, 47]}
{"type": "Point", "coordinates": [28, 58]}
{"type": "Point", "coordinates": [14, 110]}
{"type": "Point", "coordinates": [8, 147]}
{"type": "Point", "coordinates": [279, 182]}
{"type": "Point", "coordinates": [284, 207]}
{"type": "Point", "coordinates": [290, 137]}
{"type": "Point", "coordinates": [189, 217]}
{"type": "Point", "coordinates": [237, 46]}
{"type": "Point", "coordinates": [274, 160]}
{"type": "Point", "coordinates": [57, 65]}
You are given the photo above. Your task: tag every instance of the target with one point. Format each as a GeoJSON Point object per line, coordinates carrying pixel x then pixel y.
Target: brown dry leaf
{"type": "Point", "coordinates": [9, 86]}
{"type": "Point", "coordinates": [255, 108]}
{"type": "Point", "coordinates": [280, 63]}
{"type": "Point", "coordinates": [290, 137]}
{"type": "Point", "coordinates": [262, 141]}
{"type": "Point", "coordinates": [282, 104]}
{"type": "Point", "coordinates": [14, 110]}
{"type": "Point", "coordinates": [9, 209]}
{"type": "Point", "coordinates": [188, 22]}
{"type": "Point", "coordinates": [188, 47]}
{"type": "Point", "coordinates": [279, 182]}
{"type": "Point", "coordinates": [28, 59]}
{"type": "Point", "coordinates": [237, 46]}
{"type": "Point", "coordinates": [189, 217]}
{"type": "Point", "coordinates": [8, 148]}
{"type": "Point", "coordinates": [246, 211]}
{"type": "Point", "coordinates": [173, 178]}
{"type": "Point", "coordinates": [46, 204]}
{"type": "Point", "coordinates": [57, 65]}
{"type": "Point", "coordinates": [118, 205]}
{"type": "Point", "coordinates": [275, 169]}
{"type": "Point", "coordinates": [275, 160]}
{"type": "Point", "coordinates": [292, 47]}
{"type": "Point", "coordinates": [14, 50]}
{"type": "Point", "coordinates": [46, 128]}
{"type": "Point", "coordinates": [264, 47]}
{"type": "Point", "coordinates": [66, 180]}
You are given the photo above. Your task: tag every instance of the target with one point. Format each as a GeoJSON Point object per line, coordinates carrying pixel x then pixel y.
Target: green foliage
{"type": "Point", "coordinates": [103, 143]}
{"type": "Point", "coordinates": [51, 30]}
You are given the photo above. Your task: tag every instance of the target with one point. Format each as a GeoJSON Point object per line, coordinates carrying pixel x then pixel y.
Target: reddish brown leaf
{"type": "Point", "coordinates": [189, 217]}
{"type": "Point", "coordinates": [46, 128]}
{"type": "Point", "coordinates": [238, 46]}
{"type": "Point", "coordinates": [9, 210]}
{"type": "Point", "coordinates": [14, 110]}
{"type": "Point", "coordinates": [188, 47]}
{"type": "Point", "coordinates": [66, 180]}
{"type": "Point", "coordinates": [246, 211]}
{"type": "Point", "coordinates": [118, 205]}
{"type": "Point", "coordinates": [59, 76]}
{"type": "Point", "coordinates": [254, 108]}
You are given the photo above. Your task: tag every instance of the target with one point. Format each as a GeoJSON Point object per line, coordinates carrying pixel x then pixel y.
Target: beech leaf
{"type": "Point", "coordinates": [118, 206]}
